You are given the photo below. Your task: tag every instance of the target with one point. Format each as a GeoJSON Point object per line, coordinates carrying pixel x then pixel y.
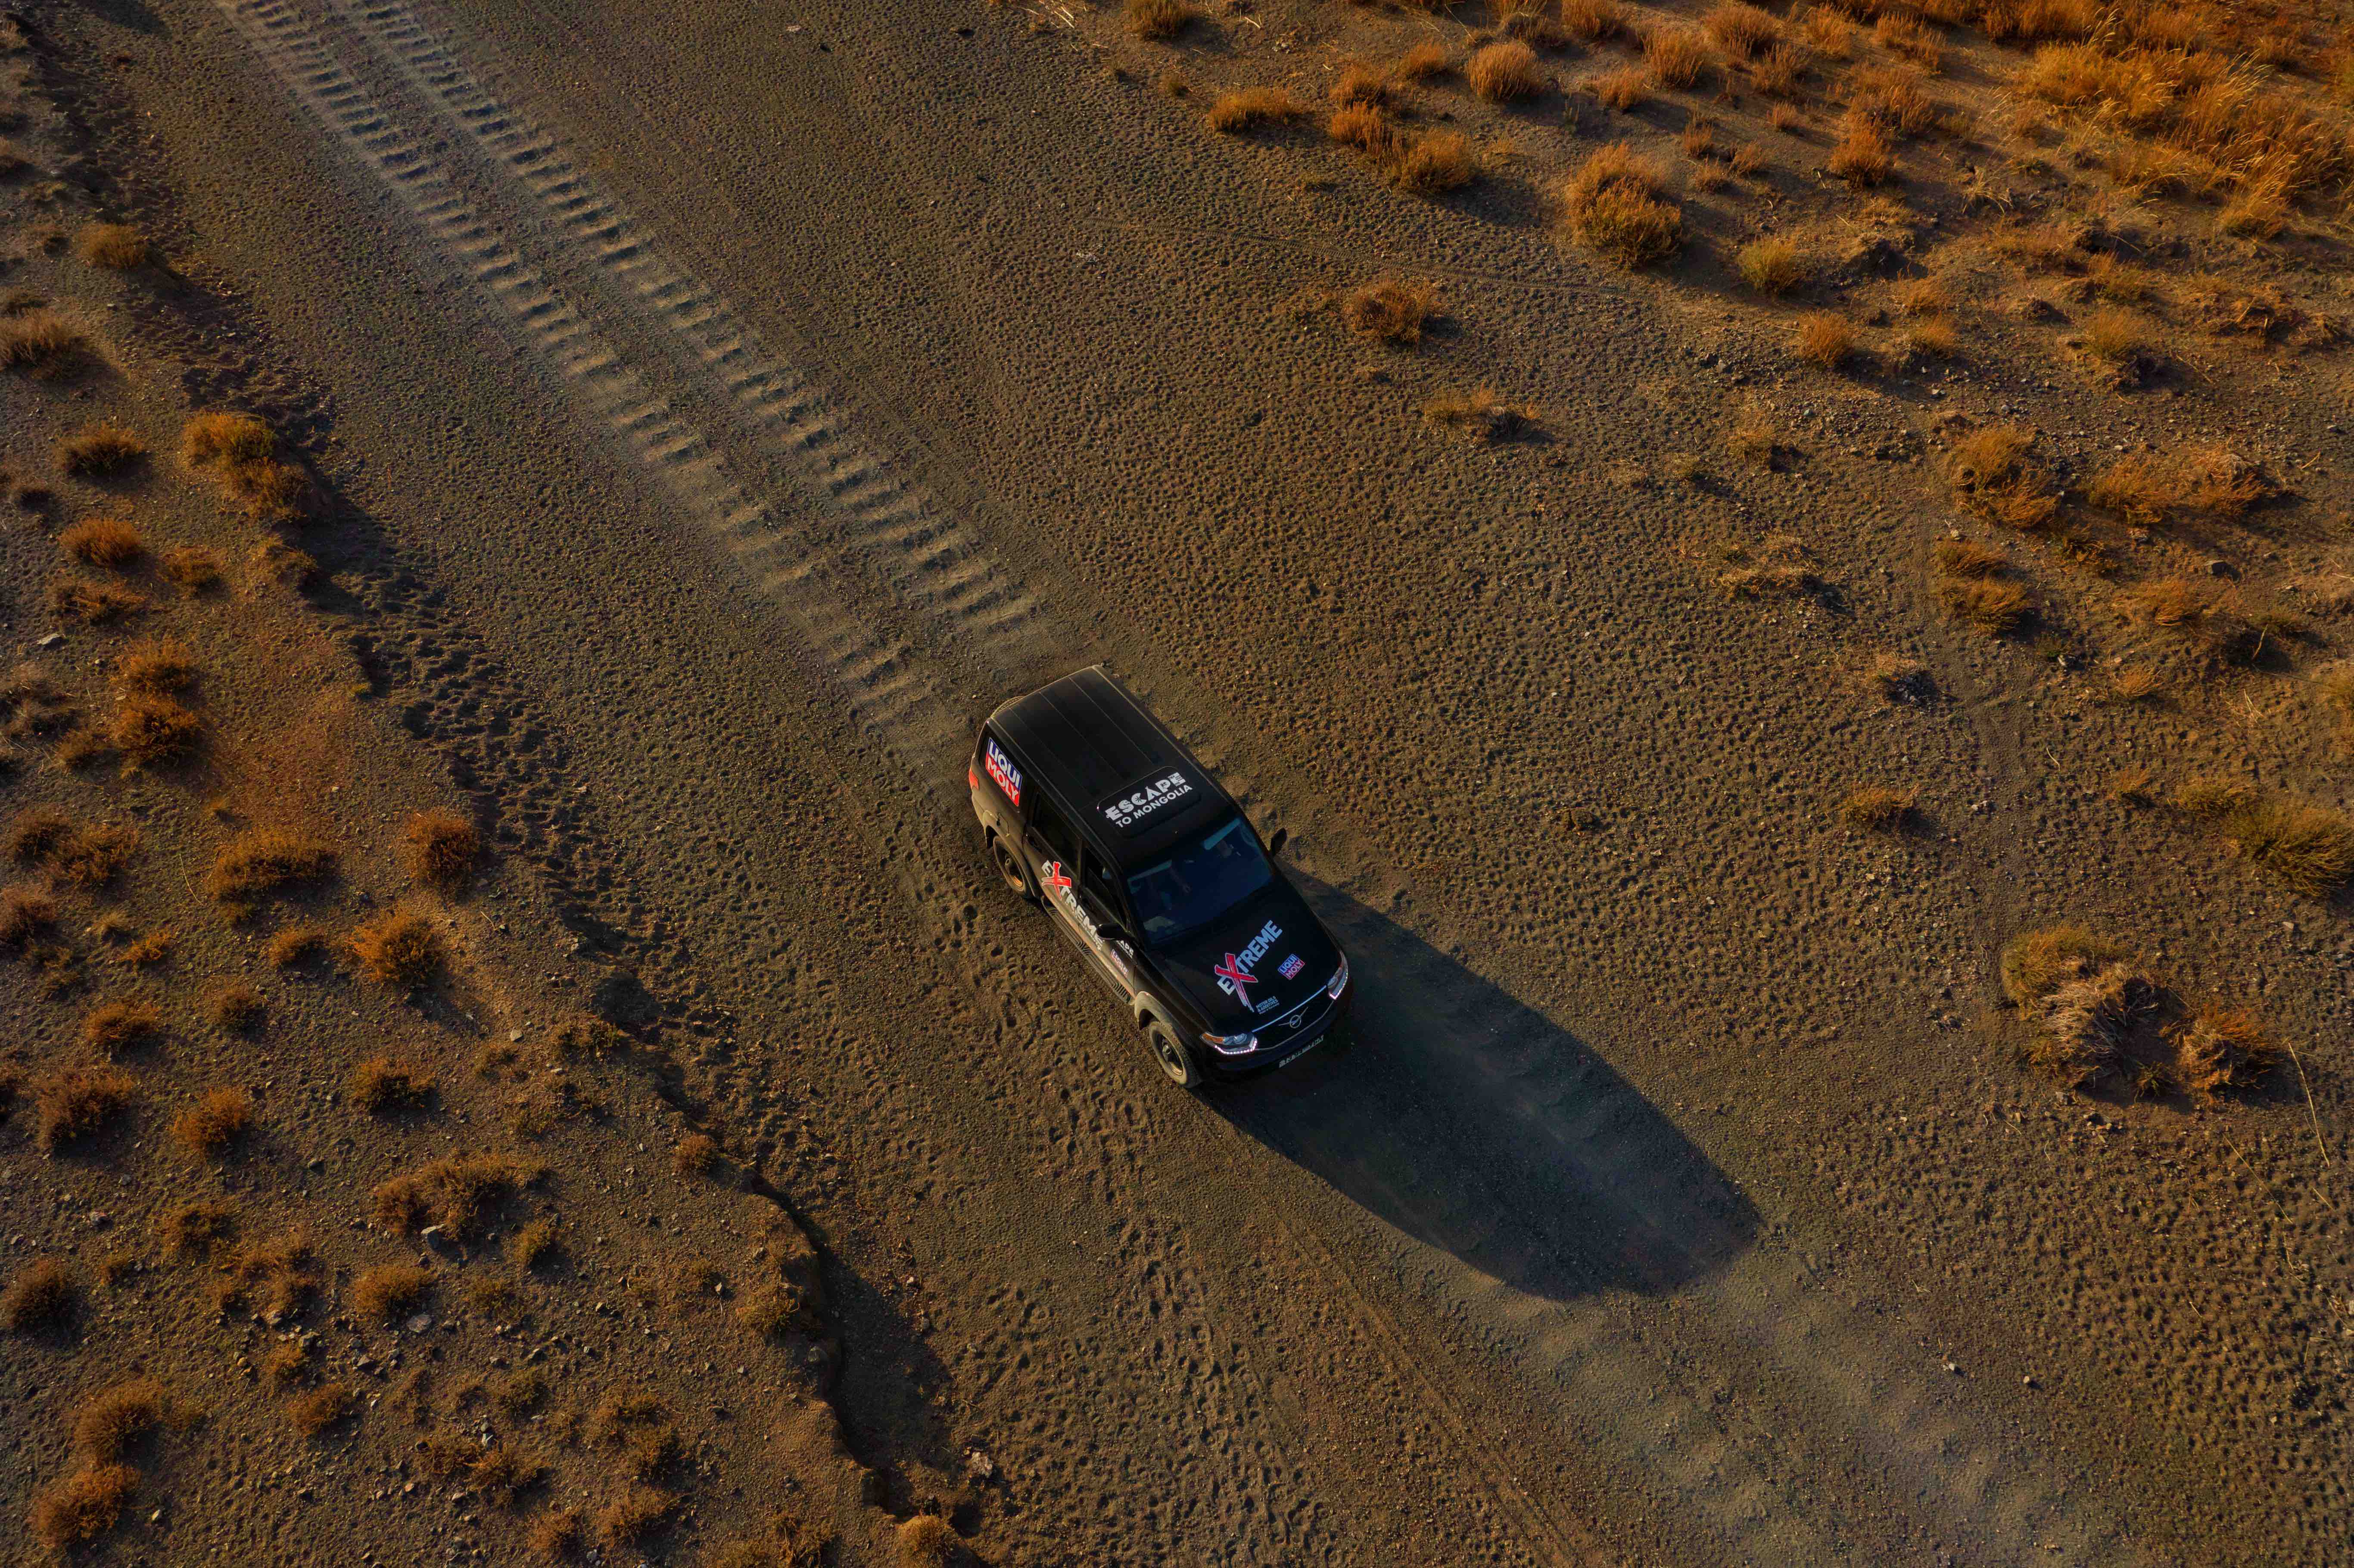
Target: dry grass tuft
{"type": "Point", "coordinates": [219, 1119]}
{"type": "Point", "coordinates": [99, 449]}
{"type": "Point", "coordinates": [102, 542]}
{"type": "Point", "coordinates": [2136, 682]}
{"type": "Point", "coordinates": [1780, 72]}
{"type": "Point", "coordinates": [1995, 470]}
{"type": "Point", "coordinates": [1433, 162]}
{"type": "Point", "coordinates": [398, 948]}
{"type": "Point", "coordinates": [2171, 604]}
{"type": "Point", "coordinates": [1391, 310]}
{"type": "Point", "coordinates": [2221, 1049]}
{"type": "Point", "coordinates": [1994, 606]}
{"type": "Point", "coordinates": [1877, 807]}
{"type": "Point", "coordinates": [314, 1410]}
{"type": "Point", "coordinates": [1367, 87]}
{"type": "Point", "coordinates": [192, 570]}
{"type": "Point", "coordinates": [1479, 413]}
{"type": "Point", "coordinates": [1612, 207]}
{"type": "Point", "coordinates": [242, 454]}
{"type": "Point", "coordinates": [2206, 481]}
{"type": "Point", "coordinates": [267, 860]}
{"type": "Point", "coordinates": [114, 1422]}
{"type": "Point", "coordinates": [1423, 62]}
{"type": "Point", "coordinates": [392, 1291]}
{"type": "Point", "coordinates": [1968, 559]}
{"type": "Point", "coordinates": [117, 247]}
{"type": "Point", "coordinates": [115, 1027]}
{"type": "Point", "coordinates": [535, 1244]}
{"type": "Point", "coordinates": [1824, 339]}
{"type": "Point", "coordinates": [1862, 155]}
{"type": "Point", "coordinates": [194, 1230]}
{"type": "Point", "coordinates": [26, 912]}
{"type": "Point", "coordinates": [2308, 849]}
{"type": "Point", "coordinates": [1249, 108]}
{"type": "Point", "coordinates": [1771, 267]}
{"type": "Point", "coordinates": [1157, 19]}
{"type": "Point", "coordinates": [1906, 35]}
{"type": "Point", "coordinates": [630, 1519]}
{"type": "Point", "coordinates": [2085, 996]}
{"type": "Point", "coordinates": [149, 729]}
{"type": "Point", "coordinates": [1507, 72]}
{"type": "Point", "coordinates": [237, 1008]}
{"type": "Point", "coordinates": [455, 1193]}
{"type": "Point", "coordinates": [1623, 89]}
{"type": "Point", "coordinates": [1593, 21]}
{"type": "Point", "coordinates": [1934, 337]}
{"type": "Point", "coordinates": [1741, 31]}
{"type": "Point", "coordinates": [42, 346]}
{"type": "Point", "coordinates": [40, 1299]}
{"type": "Point", "coordinates": [295, 945]}
{"type": "Point", "coordinates": [1675, 57]}
{"type": "Point", "coordinates": [155, 668]}
{"type": "Point", "coordinates": [697, 1154]}
{"type": "Point", "coordinates": [82, 1506]}
{"type": "Point", "coordinates": [926, 1541]}
{"type": "Point", "coordinates": [557, 1535]}
{"type": "Point", "coordinates": [380, 1086]}
{"type": "Point", "coordinates": [81, 602]}
{"type": "Point", "coordinates": [443, 848]}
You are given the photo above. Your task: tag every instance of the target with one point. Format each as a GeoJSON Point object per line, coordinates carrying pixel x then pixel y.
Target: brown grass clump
{"type": "Point", "coordinates": [42, 346]}
{"type": "Point", "coordinates": [155, 668]}
{"type": "Point", "coordinates": [149, 730]}
{"type": "Point", "coordinates": [398, 948]}
{"type": "Point", "coordinates": [1892, 97]}
{"type": "Point", "coordinates": [83, 1506]}
{"type": "Point", "coordinates": [2172, 604]}
{"type": "Point", "coordinates": [1824, 339]}
{"type": "Point", "coordinates": [535, 1244]}
{"type": "Point", "coordinates": [1923, 297]}
{"type": "Point", "coordinates": [1593, 21]}
{"type": "Point", "coordinates": [1248, 108]}
{"type": "Point", "coordinates": [1612, 207]}
{"type": "Point", "coordinates": [442, 847]}
{"type": "Point", "coordinates": [115, 1027]}
{"type": "Point", "coordinates": [1623, 89]}
{"type": "Point", "coordinates": [117, 247]}
{"type": "Point", "coordinates": [1741, 31]}
{"type": "Point", "coordinates": [40, 1299]}
{"type": "Point", "coordinates": [102, 542]}
{"type": "Point", "coordinates": [99, 449]}
{"type": "Point", "coordinates": [1933, 337]}
{"type": "Point", "coordinates": [1157, 19]}
{"type": "Point", "coordinates": [454, 1193]}
{"type": "Point", "coordinates": [2085, 996]}
{"type": "Point", "coordinates": [314, 1410]}
{"type": "Point", "coordinates": [25, 913]}
{"type": "Point", "coordinates": [1506, 72]}
{"type": "Point", "coordinates": [219, 1119]}
{"type": "Point", "coordinates": [242, 454]}
{"type": "Point", "coordinates": [1750, 160]}
{"type": "Point", "coordinates": [1433, 162]}
{"type": "Point", "coordinates": [391, 1291]}
{"type": "Point", "coordinates": [236, 1007]}
{"type": "Point", "coordinates": [1862, 155]}
{"type": "Point", "coordinates": [1675, 57]}
{"type": "Point", "coordinates": [2206, 481]}
{"type": "Point", "coordinates": [1391, 310]}
{"type": "Point", "coordinates": [697, 1154]}
{"type": "Point", "coordinates": [1995, 471]}
{"type": "Point", "coordinates": [83, 602]}
{"type": "Point", "coordinates": [1424, 62]}
{"type": "Point", "coordinates": [556, 1536]}
{"type": "Point", "coordinates": [1906, 35]}
{"type": "Point", "coordinates": [1368, 87]}
{"type": "Point", "coordinates": [630, 1519]}
{"type": "Point", "coordinates": [114, 1421]}
{"type": "Point", "coordinates": [294, 945]}
{"type": "Point", "coordinates": [267, 860]}
{"type": "Point", "coordinates": [2308, 849]}
{"type": "Point", "coordinates": [2219, 1049]}
{"type": "Point", "coordinates": [1994, 606]}
{"type": "Point", "coordinates": [1877, 807]}
{"type": "Point", "coordinates": [89, 856]}
{"type": "Point", "coordinates": [194, 1230]}
{"type": "Point", "coordinates": [1780, 72]}
{"type": "Point", "coordinates": [192, 570]}
{"type": "Point", "coordinates": [2113, 336]}
{"type": "Point", "coordinates": [1968, 559]}
{"type": "Point", "coordinates": [380, 1084]}
{"type": "Point", "coordinates": [926, 1541]}
{"type": "Point", "coordinates": [1479, 413]}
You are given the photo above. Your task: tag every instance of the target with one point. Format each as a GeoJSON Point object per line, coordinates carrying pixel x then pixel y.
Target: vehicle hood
{"type": "Point", "coordinates": [1261, 937]}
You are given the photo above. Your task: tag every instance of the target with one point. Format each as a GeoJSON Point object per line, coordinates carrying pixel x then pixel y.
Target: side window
{"type": "Point", "coordinates": [1100, 889]}
{"type": "Point", "coordinates": [1054, 832]}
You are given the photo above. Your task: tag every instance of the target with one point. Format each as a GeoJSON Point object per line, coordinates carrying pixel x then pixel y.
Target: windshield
{"type": "Point", "coordinates": [1198, 882]}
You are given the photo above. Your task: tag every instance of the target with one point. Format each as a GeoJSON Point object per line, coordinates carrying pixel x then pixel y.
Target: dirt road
{"type": "Point", "coordinates": [730, 405]}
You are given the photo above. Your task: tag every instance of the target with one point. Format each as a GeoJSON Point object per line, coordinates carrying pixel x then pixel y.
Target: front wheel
{"type": "Point", "coordinates": [1016, 875]}
{"type": "Point", "coordinates": [1177, 1063]}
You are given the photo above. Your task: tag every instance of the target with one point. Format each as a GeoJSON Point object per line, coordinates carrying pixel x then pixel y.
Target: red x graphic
{"type": "Point", "coordinates": [1055, 876]}
{"type": "Point", "coordinates": [1241, 979]}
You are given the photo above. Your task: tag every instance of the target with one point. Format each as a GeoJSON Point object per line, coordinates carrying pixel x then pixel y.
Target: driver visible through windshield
{"type": "Point", "coordinates": [1198, 883]}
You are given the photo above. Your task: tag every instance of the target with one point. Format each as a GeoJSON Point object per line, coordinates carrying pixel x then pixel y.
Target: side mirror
{"type": "Point", "coordinates": [1277, 840]}
{"type": "Point", "coordinates": [1108, 932]}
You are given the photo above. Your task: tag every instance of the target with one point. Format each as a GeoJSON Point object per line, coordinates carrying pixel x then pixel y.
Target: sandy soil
{"type": "Point", "coordinates": [722, 409]}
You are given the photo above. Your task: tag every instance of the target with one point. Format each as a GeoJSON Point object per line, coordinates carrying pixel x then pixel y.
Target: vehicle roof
{"type": "Point", "coordinates": [1087, 741]}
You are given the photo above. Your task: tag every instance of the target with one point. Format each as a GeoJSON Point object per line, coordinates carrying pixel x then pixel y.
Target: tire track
{"type": "Point", "coordinates": [609, 298]}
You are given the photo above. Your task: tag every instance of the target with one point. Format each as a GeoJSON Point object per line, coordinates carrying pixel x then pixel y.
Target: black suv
{"type": "Point", "coordinates": [1152, 872]}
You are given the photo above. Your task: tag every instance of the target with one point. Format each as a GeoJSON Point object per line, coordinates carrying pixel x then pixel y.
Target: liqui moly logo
{"type": "Point", "coordinates": [1235, 977]}
{"type": "Point", "coordinates": [1007, 776]}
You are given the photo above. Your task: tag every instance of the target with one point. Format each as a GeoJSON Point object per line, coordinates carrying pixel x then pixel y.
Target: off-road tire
{"type": "Point", "coordinates": [1011, 871]}
{"type": "Point", "coordinates": [1176, 1063]}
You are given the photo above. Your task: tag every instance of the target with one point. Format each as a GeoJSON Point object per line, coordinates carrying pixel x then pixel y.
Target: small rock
{"type": "Point", "coordinates": [2222, 568]}
{"type": "Point", "coordinates": [420, 1323]}
{"type": "Point", "coordinates": [51, 641]}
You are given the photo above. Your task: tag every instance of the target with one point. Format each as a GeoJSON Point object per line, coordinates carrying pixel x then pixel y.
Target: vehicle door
{"type": "Point", "coordinates": [1054, 845]}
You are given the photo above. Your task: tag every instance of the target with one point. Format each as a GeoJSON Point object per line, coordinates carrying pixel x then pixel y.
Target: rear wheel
{"type": "Point", "coordinates": [1010, 867]}
{"type": "Point", "coordinates": [1177, 1063]}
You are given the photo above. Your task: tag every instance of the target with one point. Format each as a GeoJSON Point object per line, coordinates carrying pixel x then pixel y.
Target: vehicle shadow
{"type": "Point", "coordinates": [1477, 1125]}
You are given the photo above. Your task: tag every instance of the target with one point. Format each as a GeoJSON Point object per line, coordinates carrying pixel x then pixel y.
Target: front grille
{"type": "Point", "coordinates": [1288, 1027]}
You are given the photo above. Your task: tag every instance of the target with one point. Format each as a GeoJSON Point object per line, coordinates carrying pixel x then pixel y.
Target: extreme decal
{"type": "Point", "coordinates": [1057, 879]}
{"type": "Point", "coordinates": [1001, 771]}
{"type": "Point", "coordinates": [1134, 807]}
{"type": "Point", "coordinates": [1235, 977]}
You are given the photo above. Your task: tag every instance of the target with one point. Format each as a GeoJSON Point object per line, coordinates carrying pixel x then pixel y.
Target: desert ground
{"type": "Point", "coordinates": [1788, 572]}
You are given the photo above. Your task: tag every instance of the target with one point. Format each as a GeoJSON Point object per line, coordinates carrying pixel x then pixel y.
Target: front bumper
{"type": "Point", "coordinates": [1286, 1039]}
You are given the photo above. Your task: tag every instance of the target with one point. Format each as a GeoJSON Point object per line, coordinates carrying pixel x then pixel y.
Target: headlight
{"type": "Point", "coordinates": [1231, 1044]}
{"type": "Point", "coordinates": [1339, 982]}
